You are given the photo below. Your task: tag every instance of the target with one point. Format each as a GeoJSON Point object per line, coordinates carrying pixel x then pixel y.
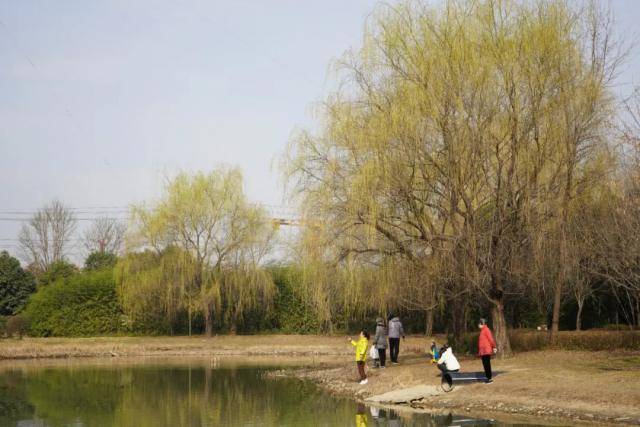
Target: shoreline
{"type": "Point", "coordinates": [586, 388]}
{"type": "Point", "coordinates": [223, 345]}
{"type": "Point", "coordinates": [544, 387]}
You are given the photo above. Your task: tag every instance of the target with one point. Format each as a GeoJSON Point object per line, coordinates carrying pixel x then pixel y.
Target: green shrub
{"type": "Point", "coordinates": [16, 285]}
{"type": "Point", "coordinates": [58, 270]}
{"type": "Point", "coordinates": [16, 326]}
{"type": "Point", "coordinates": [293, 311]}
{"type": "Point", "coordinates": [81, 305]}
{"type": "Point", "coordinates": [100, 260]}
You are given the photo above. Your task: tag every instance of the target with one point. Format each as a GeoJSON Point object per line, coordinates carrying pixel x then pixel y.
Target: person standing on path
{"type": "Point", "coordinates": [380, 341]}
{"type": "Point", "coordinates": [395, 332]}
{"type": "Point", "coordinates": [486, 348]}
{"type": "Point", "coordinates": [361, 353]}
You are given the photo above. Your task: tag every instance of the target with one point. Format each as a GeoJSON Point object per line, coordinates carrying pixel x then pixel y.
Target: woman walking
{"type": "Point", "coordinates": [395, 332]}
{"type": "Point", "coordinates": [380, 341]}
{"type": "Point", "coordinates": [486, 348]}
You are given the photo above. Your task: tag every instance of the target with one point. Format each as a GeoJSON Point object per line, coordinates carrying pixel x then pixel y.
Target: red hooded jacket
{"type": "Point", "coordinates": [486, 343]}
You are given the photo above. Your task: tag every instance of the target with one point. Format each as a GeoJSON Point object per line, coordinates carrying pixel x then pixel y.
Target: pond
{"type": "Point", "coordinates": [182, 393]}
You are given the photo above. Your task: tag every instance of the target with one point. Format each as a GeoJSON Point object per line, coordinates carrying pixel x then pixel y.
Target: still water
{"type": "Point", "coordinates": [183, 394]}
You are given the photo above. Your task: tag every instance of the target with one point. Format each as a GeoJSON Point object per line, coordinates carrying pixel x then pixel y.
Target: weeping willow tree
{"type": "Point", "coordinates": [154, 288]}
{"type": "Point", "coordinates": [204, 245]}
{"type": "Point", "coordinates": [455, 144]}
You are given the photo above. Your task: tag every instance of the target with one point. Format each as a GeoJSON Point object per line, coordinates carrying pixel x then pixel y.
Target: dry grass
{"type": "Point", "coordinates": [593, 340]}
{"type": "Point", "coordinates": [292, 345]}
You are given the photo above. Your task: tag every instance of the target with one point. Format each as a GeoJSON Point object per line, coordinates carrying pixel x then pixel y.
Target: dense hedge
{"type": "Point", "coordinates": [82, 305]}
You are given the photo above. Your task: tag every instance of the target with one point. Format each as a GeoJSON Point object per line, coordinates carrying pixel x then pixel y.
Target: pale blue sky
{"type": "Point", "coordinates": [99, 100]}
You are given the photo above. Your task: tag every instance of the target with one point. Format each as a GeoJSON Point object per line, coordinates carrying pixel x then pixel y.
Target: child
{"type": "Point", "coordinates": [434, 352]}
{"type": "Point", "coordinates": [374, 356]}
{"type": "Point", "coordinates": [361, 354]}
{"type": "Point", "coordinates": [448, 362]}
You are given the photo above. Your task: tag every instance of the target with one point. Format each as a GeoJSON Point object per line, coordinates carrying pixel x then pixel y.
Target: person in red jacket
{"type": "Point", "coordinates": [486, 348]}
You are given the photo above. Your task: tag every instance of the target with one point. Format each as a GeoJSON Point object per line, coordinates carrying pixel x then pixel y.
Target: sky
{"type": "Point", "coordinates": [101, 101]}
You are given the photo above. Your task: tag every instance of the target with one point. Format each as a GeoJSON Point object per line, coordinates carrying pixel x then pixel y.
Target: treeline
{"type": "Point", "coordinates": [475, 162]}
{"type": "Point", "coordinates": [72, 301]}
{"type": "Point", "coordinates": [192, 262]}
{"type": "Point", "coordinates": [89, 301]}
{"type": "Point", "coordinates": [199, 260]}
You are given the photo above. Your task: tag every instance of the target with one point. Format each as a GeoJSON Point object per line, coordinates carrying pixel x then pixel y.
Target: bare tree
{"type": "Point", "coordinates": [105, 235]}
{"type": "Point", "coordinates": [47, 237]}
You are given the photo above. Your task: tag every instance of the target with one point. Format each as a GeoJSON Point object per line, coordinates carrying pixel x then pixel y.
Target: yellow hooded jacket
{"type": "Point", "coordinates": [361, 349]}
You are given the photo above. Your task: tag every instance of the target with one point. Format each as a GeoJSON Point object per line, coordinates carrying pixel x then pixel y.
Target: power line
{"type": "Point", "coordinates": [75, 239]}
{"type": "Point", "coordinates": [16, 219]}
{"type": "Point", "coordinates": [95, 209]}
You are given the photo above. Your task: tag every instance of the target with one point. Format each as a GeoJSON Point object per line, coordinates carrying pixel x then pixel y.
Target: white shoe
{"type": "Point", "coordinates": [363, 382]}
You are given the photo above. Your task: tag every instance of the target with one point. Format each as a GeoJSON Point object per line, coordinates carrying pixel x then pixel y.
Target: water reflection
{"type": "Point", "coordinates": [389, 418]}
{"type": "Point", "coordinates": [170, 395]}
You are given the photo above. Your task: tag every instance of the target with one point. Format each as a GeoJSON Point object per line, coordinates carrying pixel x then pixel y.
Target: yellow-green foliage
{"type": "Point", "coordinates": [453, 147]}
{"type": "Point", "coordinates": [203, 244]}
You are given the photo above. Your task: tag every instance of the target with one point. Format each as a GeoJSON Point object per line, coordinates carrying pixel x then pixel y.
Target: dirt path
{"type": "Point", "coordinates": [555, 385]}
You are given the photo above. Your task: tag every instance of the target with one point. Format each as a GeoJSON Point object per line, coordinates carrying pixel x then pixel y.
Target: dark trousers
{"type": "Point", "coordinates": [444, 369]}
{"type": "Point", "coordinates": [486, 362]}
{"type": "Point", "coordinates": [394, 349]}
{"type": "Point", "coordinates": [361, 370]}
{"type": "Point", "coordinates": [382, 354]}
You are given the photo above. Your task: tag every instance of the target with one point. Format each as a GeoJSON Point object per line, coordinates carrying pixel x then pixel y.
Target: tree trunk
{"type": "Point", "coordinates": [500, 329]}
{"type": "Point", "coordinates": [562, 254]}
{"type": "Point", "coordinates": [579, 316]}
{"type": "Point", "coordinates": [208, 322]}
{"type": "Point", "coordinates": [233, 324]}
{"type": "Point", "coordinates": [428, 327]}
{"type": "Point", "coordinates": [638, 310]}
{"type": "Point", "coordinates": [456, 325]}
{"type": "Point", "coordinates": [555, 317]}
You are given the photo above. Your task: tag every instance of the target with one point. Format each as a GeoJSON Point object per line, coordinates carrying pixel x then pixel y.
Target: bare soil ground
{"type": "Point", "coordinates": [557, 386]}
{"type": "Point", "coordinates": [554, 385]}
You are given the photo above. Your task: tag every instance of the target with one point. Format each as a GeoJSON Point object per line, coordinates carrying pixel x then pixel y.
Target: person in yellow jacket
{"type": "Point", "coordinates": [361, 416]}
{"type": "Point", "coordinates": [361, 353]}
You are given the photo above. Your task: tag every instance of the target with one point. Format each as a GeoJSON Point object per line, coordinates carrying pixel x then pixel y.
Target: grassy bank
{"type": "Point", "coordinates": [223, 345]}
{"type": "Point", "coordinates": [276, 344]}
